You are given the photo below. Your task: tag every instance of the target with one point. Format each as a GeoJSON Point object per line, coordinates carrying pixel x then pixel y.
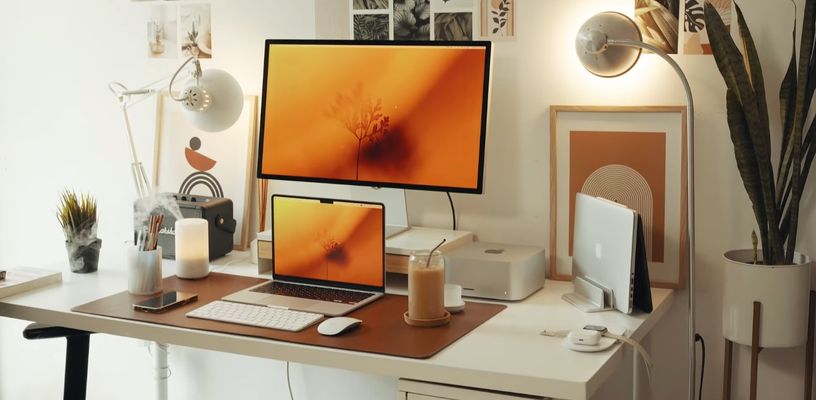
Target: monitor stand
{"type": "Point", "coordinates": [401, 238]}
{"type": "Point", "coordinates": [396, 211]}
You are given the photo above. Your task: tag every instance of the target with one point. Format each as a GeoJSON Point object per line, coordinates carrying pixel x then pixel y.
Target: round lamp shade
{"type": "Point", "coordinates": [593, 44]}
{"type": "Point", "coordinates": [222, 104]}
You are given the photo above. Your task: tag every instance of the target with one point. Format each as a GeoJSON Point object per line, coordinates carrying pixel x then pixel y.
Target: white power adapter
{"type": "Point", "coordinates": [584, 337]}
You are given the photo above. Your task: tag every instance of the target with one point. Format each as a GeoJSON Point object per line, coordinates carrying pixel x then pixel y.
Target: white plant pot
{"type": "Point", "coordinates": [783, 291]}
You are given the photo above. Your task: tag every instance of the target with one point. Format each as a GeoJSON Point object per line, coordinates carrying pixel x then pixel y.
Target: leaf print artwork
{"type": "Point", "coordinates": [370, 4]}
{"type": "Point", "coordinates": [694, 18]}
{"type": "Point", "coordinates": [362, 117]}
{"type": "Point", "coordinates": [498, 18]}
{"type": "Point", "coordinates": [412, 20]}
{"type": "Point", "coordinates": [371, 27]}
{"type": "Point", "coordinates": [453, 26]}
{"type": "Point", "coordinates": [500, 15]}
{"type": "Point", "coordinates": [695, 38]}
{"type": "Point", "coordinates": [658, 22]}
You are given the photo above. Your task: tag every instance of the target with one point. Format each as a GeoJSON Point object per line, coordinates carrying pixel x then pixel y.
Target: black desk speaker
{"type": "Point", "coordinates": [218, 213]}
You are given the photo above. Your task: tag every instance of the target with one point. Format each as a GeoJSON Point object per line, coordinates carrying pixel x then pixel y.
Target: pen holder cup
{"type": "Point", "coordinates": [144, 271]}
{"type": "Point", "coordinates": [426, 290]}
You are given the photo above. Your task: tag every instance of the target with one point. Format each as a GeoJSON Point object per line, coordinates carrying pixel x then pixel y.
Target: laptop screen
{"type": "Point", "coordinates": [330, 242]}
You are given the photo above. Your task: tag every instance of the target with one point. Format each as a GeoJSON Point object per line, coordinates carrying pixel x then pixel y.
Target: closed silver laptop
{"type": "Point", "coordinates": [328, 256]}
{"type": "Point", "coordinates": [603, 255]}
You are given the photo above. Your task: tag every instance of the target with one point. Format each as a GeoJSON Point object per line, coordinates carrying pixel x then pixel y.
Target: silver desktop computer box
{"type": "Point", "coordinates": [495, 270]}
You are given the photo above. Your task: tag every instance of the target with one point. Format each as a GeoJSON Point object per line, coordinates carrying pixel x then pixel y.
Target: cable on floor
{"type": "Point", "coordinates": [699, 338]}
{"type": "Point", "coordinates": [289, 382]}
{"type": "Point", "coordinates": [453, 210]}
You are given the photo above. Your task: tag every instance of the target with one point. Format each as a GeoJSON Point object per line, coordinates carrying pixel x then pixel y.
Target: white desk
{"type": "Point", "coordinates": [504, 354]}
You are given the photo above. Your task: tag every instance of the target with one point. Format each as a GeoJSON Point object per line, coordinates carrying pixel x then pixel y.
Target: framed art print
{"type": "Point", "coordinates": [631, 155]}
{"type": "Point", "coordinates": [188, 160]}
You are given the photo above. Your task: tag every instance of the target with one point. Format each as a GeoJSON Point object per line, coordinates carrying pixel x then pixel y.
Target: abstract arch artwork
{"type": "Point", "coordinates": [201, 177]}
{"type": "Point", "coordinates": [633, 156]}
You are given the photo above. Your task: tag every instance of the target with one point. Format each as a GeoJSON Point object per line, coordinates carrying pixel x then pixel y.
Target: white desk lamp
{"type": "Point", "coordinates": [608, 45]}
{"type": "Point", "coordinates": [212, 101]}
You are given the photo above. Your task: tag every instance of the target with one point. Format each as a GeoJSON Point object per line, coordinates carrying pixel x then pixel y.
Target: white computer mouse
{"type": "Point", "coordinates": [338, 325]}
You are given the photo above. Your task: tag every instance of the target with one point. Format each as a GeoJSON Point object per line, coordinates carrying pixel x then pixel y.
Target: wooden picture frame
{"type": "Point", "coordinates": [217, 164]}
{"type": "Point", "coordinates": [634, 153]}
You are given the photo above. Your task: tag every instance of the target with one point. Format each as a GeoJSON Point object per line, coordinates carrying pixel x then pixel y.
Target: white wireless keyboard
{"type": "Point", "coordinates": [255, 315]}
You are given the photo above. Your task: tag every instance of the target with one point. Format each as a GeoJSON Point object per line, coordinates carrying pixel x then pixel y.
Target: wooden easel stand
{"type": "Point", "coordinates": [755, 349]}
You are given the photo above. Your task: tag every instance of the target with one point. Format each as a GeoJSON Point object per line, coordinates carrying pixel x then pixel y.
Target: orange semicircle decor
{"type": "Point", "coordinates": [198, 160]}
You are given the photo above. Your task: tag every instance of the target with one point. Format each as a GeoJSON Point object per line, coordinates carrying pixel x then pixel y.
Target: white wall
{"type": "Point", "coordinates": [60, 127]}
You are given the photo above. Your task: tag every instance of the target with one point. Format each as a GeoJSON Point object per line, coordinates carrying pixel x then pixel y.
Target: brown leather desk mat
{"type": "Point", "coordinates": [383, 330]}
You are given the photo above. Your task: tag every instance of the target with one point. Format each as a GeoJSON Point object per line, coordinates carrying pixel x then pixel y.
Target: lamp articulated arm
{"type": "Point", "coordinates": [143, 187]}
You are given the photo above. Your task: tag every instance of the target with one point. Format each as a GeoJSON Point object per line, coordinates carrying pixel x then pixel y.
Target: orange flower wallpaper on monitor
{"type": "Point", "coordinates": [341, 242]}
{"type": "Point", "coordinates": [399, 115]}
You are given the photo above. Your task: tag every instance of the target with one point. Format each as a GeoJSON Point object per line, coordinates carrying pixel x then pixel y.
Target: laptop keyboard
{"type": "Point", "coordinates": [313, 292]}
{"type": "Point", "coordinates": [255, 315]}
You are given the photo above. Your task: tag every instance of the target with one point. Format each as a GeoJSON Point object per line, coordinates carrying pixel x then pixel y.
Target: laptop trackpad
{"type": "Point", "coordinates": [290, 302]}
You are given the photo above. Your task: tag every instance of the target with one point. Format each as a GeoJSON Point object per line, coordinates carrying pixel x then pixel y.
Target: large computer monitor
{"type": "Point", "coordinates": [408, 115]}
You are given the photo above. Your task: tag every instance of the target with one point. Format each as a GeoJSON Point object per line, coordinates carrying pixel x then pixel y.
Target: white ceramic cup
{"type": "Point", "coordinates": [144, 271]}
{"type": "Point", "coordinates": [453, 295]}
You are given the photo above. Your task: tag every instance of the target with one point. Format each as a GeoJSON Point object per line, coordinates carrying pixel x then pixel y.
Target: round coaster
{"type": "Point", "coordinates": [427, 322]}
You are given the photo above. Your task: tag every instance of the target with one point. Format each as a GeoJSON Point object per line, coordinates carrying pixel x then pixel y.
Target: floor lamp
{"type": "Point", "coordinates": [608, 45]}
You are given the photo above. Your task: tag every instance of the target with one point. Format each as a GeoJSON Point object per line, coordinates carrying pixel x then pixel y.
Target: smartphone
{"type": "Point", "coordinates": [165, 301]}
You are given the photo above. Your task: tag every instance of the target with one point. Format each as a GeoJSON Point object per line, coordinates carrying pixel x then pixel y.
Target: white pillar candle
{"type": "Point", "coordinates": [192, 248]}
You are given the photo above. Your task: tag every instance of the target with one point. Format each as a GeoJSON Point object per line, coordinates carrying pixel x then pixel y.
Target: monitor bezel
{"type": "Point", "coordinates": [478, 189]}
{"type": "Point", "coordinates": [322, 282]}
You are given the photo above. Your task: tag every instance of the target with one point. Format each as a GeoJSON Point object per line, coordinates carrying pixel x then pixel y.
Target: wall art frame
{"type": "Point", "coordinates": [637, 153]}
{"type": "Point", "coordinates": [218, 164]}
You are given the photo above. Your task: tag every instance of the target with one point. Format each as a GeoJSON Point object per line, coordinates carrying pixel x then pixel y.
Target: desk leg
{"type": "Point", "coordinates": [161, 368]}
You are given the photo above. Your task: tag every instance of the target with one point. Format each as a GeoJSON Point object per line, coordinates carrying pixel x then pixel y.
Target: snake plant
{"type": "Point", "coordinates": [775, 194]}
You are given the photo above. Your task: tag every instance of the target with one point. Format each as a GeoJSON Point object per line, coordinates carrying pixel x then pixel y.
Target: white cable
{"type": "Point", "coordinates": [561, 333]}
{"type": "Point", "coordinates": [647, 359]}
{"type": "Point", "coordinates": [196, 75]}
{"type": "Point", "coordinates": [289, 382]}
{"type": "Point", "coordinates": [163, 349]}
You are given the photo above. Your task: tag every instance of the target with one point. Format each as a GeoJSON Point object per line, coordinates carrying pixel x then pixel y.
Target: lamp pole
{"type": "Point", "coordinates": [692, 332]}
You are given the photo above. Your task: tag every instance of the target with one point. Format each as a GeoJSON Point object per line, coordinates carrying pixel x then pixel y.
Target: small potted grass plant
{"type": "Point", "coordinates": [77, 216]}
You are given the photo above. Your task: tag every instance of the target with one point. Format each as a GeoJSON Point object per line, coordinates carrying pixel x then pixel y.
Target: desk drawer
{"type": "Point", "coordinates": [418, 390]}
{"type": "Point", "coordinates": [414, 396]}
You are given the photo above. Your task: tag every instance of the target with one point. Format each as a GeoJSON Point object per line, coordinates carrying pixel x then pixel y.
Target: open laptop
{"type": "Point", "coordinates": [608, 257]}
{"type": "Point", "coordinates": [328, 256]}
